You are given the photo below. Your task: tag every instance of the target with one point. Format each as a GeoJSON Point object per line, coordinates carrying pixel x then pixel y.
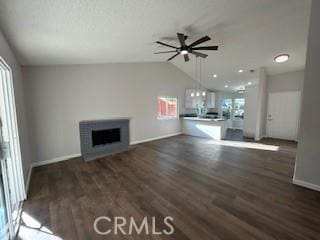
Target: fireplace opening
{"type": "Point", "coordinates": [107, 136]}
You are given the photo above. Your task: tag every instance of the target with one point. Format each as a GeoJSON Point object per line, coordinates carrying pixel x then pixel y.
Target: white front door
{"type": "Point", "coordinates": [283, 115]}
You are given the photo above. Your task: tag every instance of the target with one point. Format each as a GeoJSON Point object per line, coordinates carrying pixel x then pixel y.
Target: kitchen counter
{"type": "Point", "coordinates": [205, 127]}
{"type": "Point", "coordinates": [204, 119]}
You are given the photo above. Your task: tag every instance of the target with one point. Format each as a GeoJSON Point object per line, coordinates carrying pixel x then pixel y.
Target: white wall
{"type": "Point", "coordinates": [307, 171]}
{"type": "Point", "coordinates": [61, 96]}
{"type": "Point", "coordinates": [8, 56]}
{"type": "Point", "coordinates": [250, 112]}
{"type": "Point", "coordinates": [286, 82]}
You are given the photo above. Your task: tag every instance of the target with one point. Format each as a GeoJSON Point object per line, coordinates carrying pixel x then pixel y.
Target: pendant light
{"type": "Point", "coordinates": [198, 77]}
{"type": "Point", "coordinates": [195, 78]}
{"type": "Point", "coordinates": [200, 90]}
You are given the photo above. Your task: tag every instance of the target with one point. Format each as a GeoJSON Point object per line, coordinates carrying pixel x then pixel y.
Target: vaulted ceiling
{"type": "Point", "coordinates": [250, 33]}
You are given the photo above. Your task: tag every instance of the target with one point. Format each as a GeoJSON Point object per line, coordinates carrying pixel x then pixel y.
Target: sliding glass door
{"type": "Point", "coordinates": [12, 190]}
{"type": "Point", "coordinates": [233, 111]}
{"type": "Point", "coordinates": [4, 223]}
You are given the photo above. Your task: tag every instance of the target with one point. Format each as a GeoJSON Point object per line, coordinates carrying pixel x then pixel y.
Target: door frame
{"type": "Point", "coordinates": [11, 163]}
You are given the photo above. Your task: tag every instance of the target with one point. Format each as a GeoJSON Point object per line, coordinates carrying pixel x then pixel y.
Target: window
{"type": "Point", "coordinates": [238, 109]}
{"type": "Point", "coordinates": [167, 107]}
{"type": "Point", "coordinates": [226, 108]}
{"type": "Point", "coordinates": [233, 109]}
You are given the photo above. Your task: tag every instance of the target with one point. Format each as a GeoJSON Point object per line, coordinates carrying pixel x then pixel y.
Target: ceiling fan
{"type": "Point", "coordinates": [185, 49]}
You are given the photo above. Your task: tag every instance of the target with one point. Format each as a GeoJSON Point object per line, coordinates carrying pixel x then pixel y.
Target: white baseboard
{"type": "Point", "coordinates": [64, 158]}
{"type": "Point", "coordinates": [55, 160]}
{"type": "Point", "coordinates": [156, 138]}
{"type": "Point", "coordinates": [306, 184]}
{"type": "Point", "coordinates": [259, 138]}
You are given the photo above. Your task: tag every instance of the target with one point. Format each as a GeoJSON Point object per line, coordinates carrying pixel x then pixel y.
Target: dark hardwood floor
{"type": "Point", "coordinates": [212, 189]}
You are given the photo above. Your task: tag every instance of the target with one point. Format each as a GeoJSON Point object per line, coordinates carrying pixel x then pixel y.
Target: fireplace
{"type": "Point", "coordinates": [106, 136]}
{"type": "Point", "coordinates": [100, 138]}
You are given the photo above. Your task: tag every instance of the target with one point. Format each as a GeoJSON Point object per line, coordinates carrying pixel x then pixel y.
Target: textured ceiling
{"type": "Point", "coordinates": [250, 33]}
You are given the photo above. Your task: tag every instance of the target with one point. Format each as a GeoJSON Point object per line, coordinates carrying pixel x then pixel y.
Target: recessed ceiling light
{"type": "Point", "coordinates": [249, 83]}
{"type": "Point", "coordinates": [215, 75]}
{"type": "Point", "coordinates": [184, 52]}
{"type": "Point", "coordinates": [226, 86]}
{"type": "Point", "coordinates": [240, 71]}
{"type": "Point", "coordinates": [282, 58]}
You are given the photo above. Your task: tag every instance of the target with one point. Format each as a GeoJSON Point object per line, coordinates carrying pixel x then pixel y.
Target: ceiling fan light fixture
{"type": "Point", "coordinates": [185, 49]}
{"type": "Point", "coordinates": [184, 52]}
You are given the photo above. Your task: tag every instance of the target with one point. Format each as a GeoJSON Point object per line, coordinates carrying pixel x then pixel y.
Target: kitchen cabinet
{"type": "Point", "coordinates": [205, 128]}
{"type": "Point", "coordinates": [211, 100]}
{"type": "Point", "coordinates": [191, 100]}
{"type": "Point", "coordinates": [194, 101]}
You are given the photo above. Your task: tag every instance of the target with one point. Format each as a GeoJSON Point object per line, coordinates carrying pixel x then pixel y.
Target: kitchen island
{"type": "Point", "coordinates": [205, 127]}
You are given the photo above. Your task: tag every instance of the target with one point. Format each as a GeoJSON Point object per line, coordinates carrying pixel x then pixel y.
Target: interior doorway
{"type": "Point", "coordinates": [12, 187]}
{"type": "Point", "coordinates": [232, 110]}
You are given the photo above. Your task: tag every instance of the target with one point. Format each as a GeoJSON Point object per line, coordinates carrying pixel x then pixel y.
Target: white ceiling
{"type": "Point", "coordinates": [249, 32]}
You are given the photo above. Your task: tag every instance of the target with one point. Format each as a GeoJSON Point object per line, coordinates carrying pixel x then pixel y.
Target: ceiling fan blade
{"type": "Point", "coordinates": [206, 48]}
{"type": "Point", "coordinates": [199, 41]}
{"type": "Point", "coordinates": [165, 52]}
{"type": "Point", "coordinates": [167, 45]}
{"type": "Point", "coordinates": [181, 39]}
{"type": "Point", "coordinates": [186, 58]}
{"type": "Point", "coordinates": [173, 57]}
{"type": "Point", "coordinates": [199, 54]}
